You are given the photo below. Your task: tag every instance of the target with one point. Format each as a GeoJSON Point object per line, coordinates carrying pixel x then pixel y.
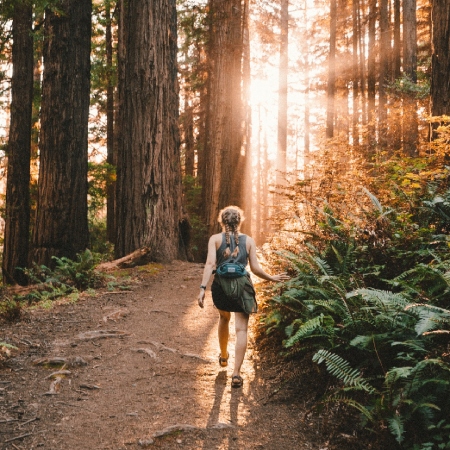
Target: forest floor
{"type": "Point", "coordinates": [138, 368]}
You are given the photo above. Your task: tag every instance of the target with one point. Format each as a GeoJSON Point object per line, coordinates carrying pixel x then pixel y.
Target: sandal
{"type": "Point", "coordinates": [237, 381]}
{"type": "Point", "coordinates": [223, 362]}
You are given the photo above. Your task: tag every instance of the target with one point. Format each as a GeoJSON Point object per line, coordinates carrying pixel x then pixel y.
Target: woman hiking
{"type": "Point", "coordinates": [242, 249]}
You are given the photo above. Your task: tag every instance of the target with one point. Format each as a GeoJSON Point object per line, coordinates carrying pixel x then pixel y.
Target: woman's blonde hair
{"type": "Point", "coordinates": [230, 218]}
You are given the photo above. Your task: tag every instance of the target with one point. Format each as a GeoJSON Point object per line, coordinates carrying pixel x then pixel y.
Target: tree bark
{"type": "Point", "coordinates": [110, 158]}
{"type": "Point", "coordinates": [247, 194]}
{"type": "Point", "coordinates": [224, 166]}
{"type": "Point", "coordinates": [397, 42]}
{"type": "Point", "coordinates": [17, 214]}
{"type": "Point", "coordinates": [371, 69]}
{"type": "Point", "coordinates": [148, 172]}
{"type": "Point", "coordinates": [385, 53]}
{"type": "Point", "coordinates": [355, 73]}
{"type": "Point", "coordinates": [61, 220]}
{"type": "Point", "coordinates": [410, 121]}
{"type": "Point", "coordinates": [283, 92]}
{"type": "Point", "coordinates": [440, 62]}
{"type": "Point", "coordinates": [331, 86]}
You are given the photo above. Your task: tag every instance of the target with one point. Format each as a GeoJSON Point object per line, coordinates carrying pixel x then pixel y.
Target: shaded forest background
{"type": "Point", "coordinates": [128, 125]}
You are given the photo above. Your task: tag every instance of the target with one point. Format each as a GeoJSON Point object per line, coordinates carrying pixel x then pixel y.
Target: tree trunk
{"type": "Point", "coordinates": [17, 214]}
{"type": "Point", "coordinates": [188, 133]}
{"type": "Point", "coordinates": [110, 158]}
{"type": "Point", "coordinates": [331, 87]}
{"type": "Point", "coordinates": [355, 74]}
{"type": "Point", "coordinates": [371, 70]}
{"type": "Point", "coordinates": [307, 124]}
{"type": "Point", "coordinates": [410, 121]}
{"type": "Point", "coordinates": [397, 43]}
{"type": "Point", "coordinates": [247, 194]}
{"type": "Point", "coordinates": [362, 63]}
{"type": "Point", "coordinates": [395, 121]}
{"type": "Point", "coordinates": [283, 92]}
{"type": "Point", "coordinates": [385, 53]}
{"type": "Point", "coordinates": [148, 171]}
{"type": "Point", "coordinates": [61, 220]}
{"type": "Point", "coordinates": [223, 162]}
{"type": "Point", "coordinates": [440, 62]}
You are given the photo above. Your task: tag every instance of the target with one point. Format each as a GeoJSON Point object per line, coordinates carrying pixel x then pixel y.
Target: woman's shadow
{"type": "Point", "coordinates": [215, 425]}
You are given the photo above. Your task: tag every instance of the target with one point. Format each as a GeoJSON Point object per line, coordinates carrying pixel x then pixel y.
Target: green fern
{"type": "Point", "coordinates": [320, 322]}
{"type": "Point", "coordinates": [342, 370]}
{"type": "Point", "coordinates": [396, 427]}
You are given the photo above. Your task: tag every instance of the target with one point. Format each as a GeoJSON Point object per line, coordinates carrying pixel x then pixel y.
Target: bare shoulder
{"type": "Point", "coordinates": [216, 239]}
{"type": "Point", "coordinates": [250, 240]}
{"type": "Point", "coordinates": [250, 243]}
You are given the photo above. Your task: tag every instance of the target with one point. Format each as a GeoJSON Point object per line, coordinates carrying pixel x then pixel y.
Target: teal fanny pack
{"type": "Point", "coordinates": [231, 270]}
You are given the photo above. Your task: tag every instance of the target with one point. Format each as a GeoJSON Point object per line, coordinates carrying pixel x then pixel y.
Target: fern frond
{"type": "Point", "coordinates": [341, 369]}
{"type": "Point", "coordinates": [396, 427]}
{"type": "Point", "coordinates": [374, 200]}
{"type": "Point", "coordinates": [354, 404]}
{"type": "Point", "coordinates": [308, 327]}
{"type": "Point", "coordinates": [322, 265]}
{"type": "Point", "coordinates": [398, 373]}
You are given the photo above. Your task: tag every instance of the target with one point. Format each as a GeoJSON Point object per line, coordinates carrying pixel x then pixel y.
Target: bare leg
{"type": "Point", "coordinates": [241, 324]}
{"type": "Point", "coordinates": [223, 332]}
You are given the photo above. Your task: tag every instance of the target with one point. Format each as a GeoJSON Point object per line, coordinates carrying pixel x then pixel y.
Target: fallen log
{"type": "Point", "coordinates": [139, 257]}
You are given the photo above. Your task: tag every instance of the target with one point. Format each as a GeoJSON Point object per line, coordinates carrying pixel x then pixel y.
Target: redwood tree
{"type": "Point", "coordinates": [331, 85]}
{"type": "Point", "coordinates": [148, 201]}
{"type": "Point", "coordinates": [224, 165]}
{"type": "Point", "coordinates": [410, 121]}
{"type": "Point", "coordinates": [61, 227]}
{"type": "Point", "coordinates": [17, 218]}
{"type": "Point", "coordinates": [440, 62]}
{"type": "Point", "coordinates": [283, 92]}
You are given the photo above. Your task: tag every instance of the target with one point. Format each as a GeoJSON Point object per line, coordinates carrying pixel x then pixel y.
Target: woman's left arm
{"type": "Point", "coordinates": [257, 269]}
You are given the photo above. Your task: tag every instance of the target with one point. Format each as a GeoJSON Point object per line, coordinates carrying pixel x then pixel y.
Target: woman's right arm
{"type": "Point", "coordinates": [208, 269]}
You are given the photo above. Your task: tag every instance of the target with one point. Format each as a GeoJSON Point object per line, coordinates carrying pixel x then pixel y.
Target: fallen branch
{"type": "Point", "coordinates": [18, 437]}
{"type": "Point", "coordinates": [29, 421]}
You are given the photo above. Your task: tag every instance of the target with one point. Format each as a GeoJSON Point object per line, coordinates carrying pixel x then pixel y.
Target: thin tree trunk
{"type": "Point", "coordinates": [110, 156]}
{"type": "Point", "coordinates": [259, 180]}
{"type": "Point", "coordinates": [61, 219]}
{"type": "Point", "coordinates": [283, 92]}
{"type": "Point", "coordinates": [362, 63]}
{"type": "Point", "coordinates": [17, 214]}
{"type": "Point", "coordinates": [385, 53]}
{"type": "Point", "coordinates": [395, 120]}
{"type": "Point", "coordinates": [355, 74]}
{"type": "Point", "coordinates": [410, 120]}
{"type": "Point", "coordinates": [331, 86]}
{"type": "Point", "coordinates": [371, 70]}
{"type": "Point", "coordinates": [396, 53]}
{"type": "Point", "coordinates": [306, 155]}
{"type": "Point", "coordinates": [149, 173]}
{"type": "Point", "coordinates": [188, 133]}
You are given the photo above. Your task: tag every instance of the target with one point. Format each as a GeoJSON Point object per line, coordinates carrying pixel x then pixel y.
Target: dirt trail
{"type": "Point", "coordinates": [139, 369]}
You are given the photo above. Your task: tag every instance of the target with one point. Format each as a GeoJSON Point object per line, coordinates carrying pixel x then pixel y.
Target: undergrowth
{"type": "Point", "coordinates": [368, 251]}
